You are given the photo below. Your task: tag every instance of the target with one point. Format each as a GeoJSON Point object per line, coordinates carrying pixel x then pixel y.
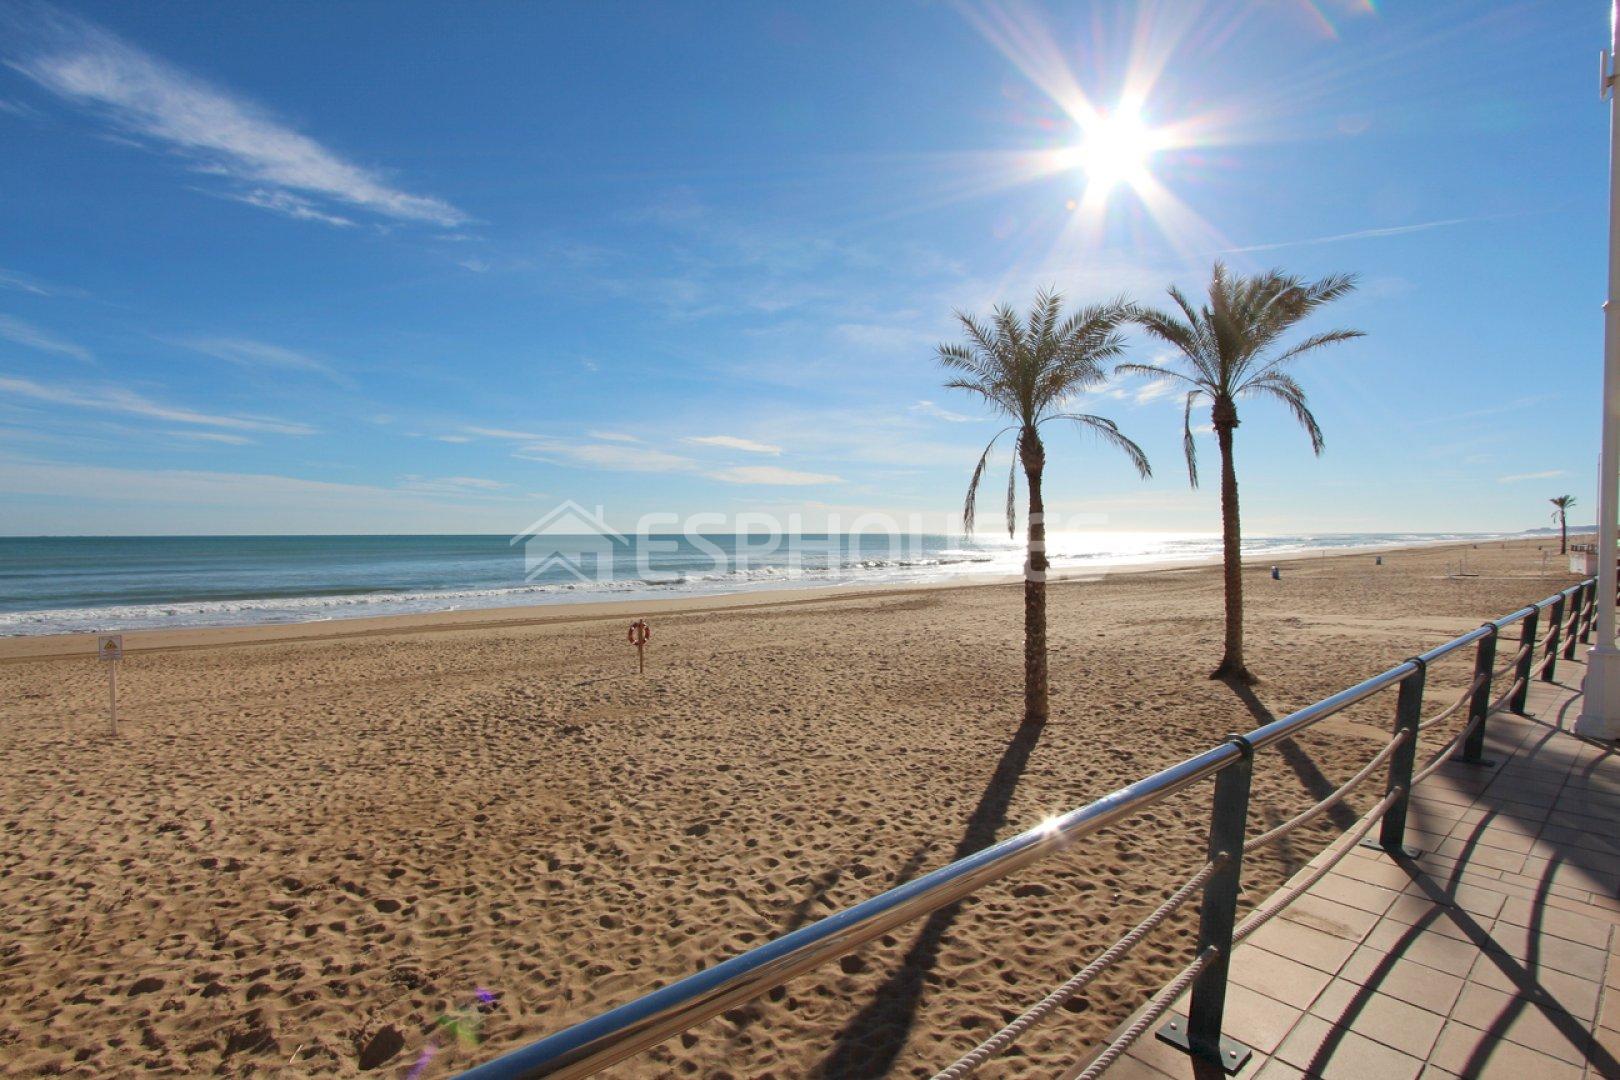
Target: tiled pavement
{"type": "Point", "coordinates": [1494, 953]}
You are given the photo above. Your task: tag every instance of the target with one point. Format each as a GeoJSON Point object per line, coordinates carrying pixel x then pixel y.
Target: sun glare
{"type": "Point", "coordinates": [1116, 150]}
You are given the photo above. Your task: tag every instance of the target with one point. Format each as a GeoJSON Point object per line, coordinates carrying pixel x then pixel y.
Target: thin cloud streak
{"type": "Point", "coordinates": [147, 98]}
{"type": "Point", "coordinates": [119, 400]}
{"type": "Point", "coordinates": [1547, 474]}
{"type": "Point", "coordinates": [1359, 234]}
{"type": "Point", "coordinates": [247, 353]}
{"type": "Point", "coordinates": [770, 474]}
{"type": "Point", "coordinates": [733, 442]}
{"type": "Point", "coordinates": [33, 337]}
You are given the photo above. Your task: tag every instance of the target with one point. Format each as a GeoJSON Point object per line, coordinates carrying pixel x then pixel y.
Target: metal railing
{"type": "Point", "coordinates": [612, 1036]}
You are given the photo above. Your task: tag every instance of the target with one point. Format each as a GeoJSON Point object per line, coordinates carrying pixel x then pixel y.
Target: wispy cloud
{"type": "Point", "coordinates": [770, 474]}
{"type": "Point", "coordinates": [1359, 234]}
{"type": "Point", "coordinates": [13, 329]}
{"type": "Point", "coordinates": [1153, 391]}
{"type": "Point", "coordinates": [294, 206]}
{"type": "Point", "coordinates": [455, 485]}
{"type": "Point", "coordinates": [279, 168]}
{"type": "Point", "coordinates": [503, 433]}
{"type": "Point", "coordinates": [1546, 474]}
{"type": "Point", "coordinates": [247, 353]}
{"type": "Point", "coordinates": [10, 279]}
{"type": "Point", "coordinates": [928, 408]}
{"type": "Point", "coordinates": [615, 456]}
{"type": "Point", "coordinates": [614, 436]}
{"type": "Point", "coordinates": [116, 399]}
{"type": "Point", "coordinates": [211, 436]}
{"type": "Point", "coordinates": [733, 442]}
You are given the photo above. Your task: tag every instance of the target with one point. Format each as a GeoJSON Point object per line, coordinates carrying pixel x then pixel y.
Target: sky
{"type": "Point", "coordinates": [393, 267]}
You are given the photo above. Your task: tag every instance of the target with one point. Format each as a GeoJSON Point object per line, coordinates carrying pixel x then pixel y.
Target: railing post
{"type": "Point", "coordinates": [1408, 715]}
{"type": "Point", "coordinates": [1577, 614]}
{"type": "Point", "coordinates": [1555, 631]}
{"type": "Point", "coordinates": [1200, 1033]}
{"type": "Point", "coordinates": [1484, 663]}
{"type": "Point", "coordinates": [1521, 674]}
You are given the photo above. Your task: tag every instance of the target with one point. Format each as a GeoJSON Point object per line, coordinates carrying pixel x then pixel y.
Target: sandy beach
{"type": "Point", "coordinates": [346, 848]}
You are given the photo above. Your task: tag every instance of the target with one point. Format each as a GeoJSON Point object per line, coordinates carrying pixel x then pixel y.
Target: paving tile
{"type": "Point", "coordinates": [1482, 854]}
{"type": "Point", "coordinates": [1322, 951]}
{"type": "Point", "coordinates": [1330, 917]}
{"type": "Point", "coordinates": [1573, 994]}
{"type": "Point", "coordinates": [1380, 1017]}
{"type": "Point", "coordinates": [1428, 948]}
{"type": "Point", "coordinates": [1357, 894]}
{"type": "Point", "coordinates": [1467, 1051]}
{"type": "Point", "coordinates": [1374, 871]}
{"type": "Point", "coordinates": [1525, 948]}
{"type": "Point", "coordinates": [1474, 899]}
{"type": "Point", "coordinates": [1422, 986]}
{"type": "Point", "coordinates": [1256, 1020]}
{"type": "Point", "coordinates": [1276, 976]}
{"type": "Point", "coordinates": [1519, 1020]}
{"type": "Point", "coordinates": [1554, 921]}
{"type": "Point", "coordinates": [1333, 1053]}
{"type": "Point", "coordinates": [1279, 1070]}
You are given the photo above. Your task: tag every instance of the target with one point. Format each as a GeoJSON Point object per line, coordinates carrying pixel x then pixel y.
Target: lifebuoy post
{"type": "Point", "coordinates": [640, 632]}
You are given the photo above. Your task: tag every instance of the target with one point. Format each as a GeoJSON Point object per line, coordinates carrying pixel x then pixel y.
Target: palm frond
{"type": "Point", "coordinates": [1153, 371]}
{"type": "Point", "coordinates": [1012, 497]}
{"type": "Point", "coordinates": [970, 504]}
{"type": "Point", "coordinates": [1310, 344]}
{"type": "Point", "coordinates": [1290, 393]}
{"type": "Point", "coordinates": [1189, 445]}
{"type": "Point", "coordinates": [1108, 431]}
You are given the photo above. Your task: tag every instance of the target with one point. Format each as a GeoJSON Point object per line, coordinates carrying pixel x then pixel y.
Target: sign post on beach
{"type": "Point", "coordinates": [639, 633]}
{"type": "Point", "coordinates": [110, 647]}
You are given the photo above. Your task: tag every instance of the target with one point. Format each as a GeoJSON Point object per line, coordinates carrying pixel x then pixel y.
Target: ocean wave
{"type": "Point", "coordinates": [1088, 552]}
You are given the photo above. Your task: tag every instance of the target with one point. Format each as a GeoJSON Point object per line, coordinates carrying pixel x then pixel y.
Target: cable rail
{"type": "Point", "coordinates": [612, 1036]}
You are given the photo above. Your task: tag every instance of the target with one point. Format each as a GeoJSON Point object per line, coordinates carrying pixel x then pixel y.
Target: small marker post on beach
{"type": "Point", "coordinates": [110, 647]}
{"type": "Point", "coordinates": [639, 633]}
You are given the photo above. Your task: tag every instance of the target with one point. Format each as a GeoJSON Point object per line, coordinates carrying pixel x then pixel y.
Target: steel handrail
{"type": "Point", "coordinates": [612, 1036]}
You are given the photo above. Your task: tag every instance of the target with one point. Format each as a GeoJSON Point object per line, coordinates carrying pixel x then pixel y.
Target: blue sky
{"type": "Point", "coordinates": [393, 267]}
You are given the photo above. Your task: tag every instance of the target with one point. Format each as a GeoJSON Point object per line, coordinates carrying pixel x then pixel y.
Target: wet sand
{"type": "Point", "coordinates": [335, 848]}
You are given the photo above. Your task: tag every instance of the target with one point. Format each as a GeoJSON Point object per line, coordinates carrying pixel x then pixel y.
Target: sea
{"type": "Point", "coordinates": [56, 585]}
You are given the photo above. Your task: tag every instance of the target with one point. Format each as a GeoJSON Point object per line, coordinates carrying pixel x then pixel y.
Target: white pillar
{"type": "Point", "coordinates": [1600, 709]}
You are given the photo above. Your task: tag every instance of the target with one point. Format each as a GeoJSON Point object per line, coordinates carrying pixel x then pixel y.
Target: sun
{"type": "Point", "coordinates": [1115, 149]}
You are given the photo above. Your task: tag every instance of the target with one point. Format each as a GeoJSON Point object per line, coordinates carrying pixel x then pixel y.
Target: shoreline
{"type": "Point", "coordinates": [32, 647]}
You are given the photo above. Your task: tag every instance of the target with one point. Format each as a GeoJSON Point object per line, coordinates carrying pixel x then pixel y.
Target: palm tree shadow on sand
{"type": "Point", "coordinates": [870, 1042]}
{"type": "Point", "coordinates": [1304, 766]}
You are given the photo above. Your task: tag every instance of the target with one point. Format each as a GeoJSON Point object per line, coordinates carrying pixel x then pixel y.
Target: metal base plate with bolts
{"type": "Point", "coordinates": [1234, 1055]}
{"type": "Point", "coordinates": [1373, 845]}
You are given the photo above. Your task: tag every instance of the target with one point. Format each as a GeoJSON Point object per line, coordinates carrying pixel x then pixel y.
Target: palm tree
{"type": "Point", "coordinates": [1231, 349]}
{"type": "Point", "coordinates": [1028, 370]}
{"type": "Point", "coordinates": [1560, 514]}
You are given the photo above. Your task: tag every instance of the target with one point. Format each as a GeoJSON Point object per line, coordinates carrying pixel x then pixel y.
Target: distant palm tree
{"type": "Point", "coordinates": [1028, 370]}
{"type": "Point", "coordinates": [1230, 349]}
{"type": "Point", "coordinates": [1560, 514]}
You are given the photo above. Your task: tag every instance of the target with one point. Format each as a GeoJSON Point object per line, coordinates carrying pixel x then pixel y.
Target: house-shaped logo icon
{"type": "Point", "coordinates": [569, 541]}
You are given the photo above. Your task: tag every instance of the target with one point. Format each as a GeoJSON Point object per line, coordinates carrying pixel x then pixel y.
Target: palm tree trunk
{"type": "Point", "coordinates": [1232, 667]}
{"type": "Point", "coordinates": [1563, 533]}
{"type": "Point", "coordinates": [1033, 456]}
